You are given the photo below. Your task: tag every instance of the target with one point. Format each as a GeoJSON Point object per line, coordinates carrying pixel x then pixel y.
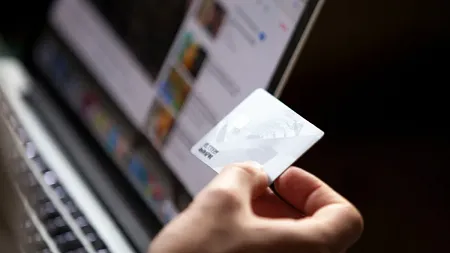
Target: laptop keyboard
{"type": "Point", "coordinates": [50, 221]}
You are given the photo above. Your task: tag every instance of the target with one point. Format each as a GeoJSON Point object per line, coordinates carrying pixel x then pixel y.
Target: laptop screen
{"type": "Point", "coordinates": [174, 68]}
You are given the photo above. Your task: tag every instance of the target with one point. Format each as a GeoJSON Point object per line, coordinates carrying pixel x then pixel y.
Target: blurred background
{"type": "Point", "coordinates": [373, 75]}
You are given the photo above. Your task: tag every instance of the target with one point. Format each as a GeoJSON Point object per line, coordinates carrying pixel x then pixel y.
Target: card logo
{"type": "Point", "coordinates": [208, 151]}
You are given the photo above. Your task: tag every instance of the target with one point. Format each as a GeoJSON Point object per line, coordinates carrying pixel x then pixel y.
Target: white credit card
{"type": "Point", "coordinates": [260, 129]}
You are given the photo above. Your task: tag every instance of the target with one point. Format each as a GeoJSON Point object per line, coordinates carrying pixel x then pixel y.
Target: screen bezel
{"type": "Point", "coordinates": [276, 85]}
{"type": "Point", "coordinates": [295, 45]}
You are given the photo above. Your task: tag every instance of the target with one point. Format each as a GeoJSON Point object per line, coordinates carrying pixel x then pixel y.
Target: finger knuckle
{"type": "Point", "coordinates": [356, 221]}
{"type": "Point", "coordinates": [336, 241]}
{"type": "Point", "coordinates": [312, 243]}
{"type": "Point", "coordinates": [321, 243]}
{"type": "Point", "coordinates": [249, 170]}
{"type": "Point", "coordinates": [226, 199]}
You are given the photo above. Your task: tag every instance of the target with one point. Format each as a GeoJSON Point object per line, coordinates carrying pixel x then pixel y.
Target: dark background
{"type": "Point", "coordinates": [373, 76]}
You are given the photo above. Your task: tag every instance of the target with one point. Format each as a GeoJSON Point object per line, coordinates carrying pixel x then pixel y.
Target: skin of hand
{"type": "Point", "coordinates": [237, 212]}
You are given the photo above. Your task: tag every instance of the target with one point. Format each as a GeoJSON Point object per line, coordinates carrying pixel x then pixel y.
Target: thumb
{"type": "Point", "coordinates": [239, 182]}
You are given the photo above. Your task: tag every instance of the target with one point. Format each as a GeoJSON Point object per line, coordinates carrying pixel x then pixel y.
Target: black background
{"type": "Point", "coordinates": [374, 77]}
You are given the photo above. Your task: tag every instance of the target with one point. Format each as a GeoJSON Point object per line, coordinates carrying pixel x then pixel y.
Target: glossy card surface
{"type": "Point", "coordinates": [260, 129]}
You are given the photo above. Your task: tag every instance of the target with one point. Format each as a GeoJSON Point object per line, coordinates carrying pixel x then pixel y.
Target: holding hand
{"type": "Point", "coordinates": [237, 212]}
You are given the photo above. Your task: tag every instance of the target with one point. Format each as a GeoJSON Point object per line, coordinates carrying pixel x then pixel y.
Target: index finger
{"type": "Point", "coordinates": [242, 181]}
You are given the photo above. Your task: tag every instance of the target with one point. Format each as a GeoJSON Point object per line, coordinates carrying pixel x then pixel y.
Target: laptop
{"type": "Point", "coordinates": [125, 88]}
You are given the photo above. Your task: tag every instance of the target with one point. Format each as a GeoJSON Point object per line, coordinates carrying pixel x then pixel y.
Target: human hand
{"type": "Point", "coordinates": [237, 212]}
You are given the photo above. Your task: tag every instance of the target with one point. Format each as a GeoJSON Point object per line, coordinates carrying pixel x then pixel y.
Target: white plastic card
{"type": "Point", "coordinates": [260, 129]}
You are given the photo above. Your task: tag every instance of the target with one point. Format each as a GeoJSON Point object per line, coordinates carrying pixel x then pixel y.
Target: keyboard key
{"type": "Point", "coordinates": [81, 221]}
{"type": "Point", "coordinates": [50, 178]}
{"type": "Point", "coordinates": [79, 250]}
{"type": "Point", "coordinates": [30, 150]}
{"type": "Point", "coordinates": [23, 136]}
{"type": "Point", "coordinates": [72, 208]}
{"type": "Point", "coordinates": [57, 226]}
{"type": "Point", "coordinates": [61, 192]}
{"type": "Point", "coordinates": [40, 164]}
{"type": "Point", "coordinates": [47, 211]}
{"type": "Point", "coordinates": [87, 230]}
{"type": "Point", "coordinates": [37, 196]}
{"type": "Point", "coordinates": [95, 241]}
{"type": "Point", "coordinates": [67, 242]}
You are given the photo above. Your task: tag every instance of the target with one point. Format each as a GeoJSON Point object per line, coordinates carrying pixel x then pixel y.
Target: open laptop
{"type": "Point", "coordinates": [139, 82]}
